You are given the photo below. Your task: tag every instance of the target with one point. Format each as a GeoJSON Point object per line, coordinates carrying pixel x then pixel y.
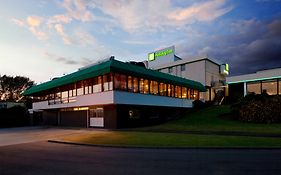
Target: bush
{"type": "Point", "coordinates": [15, 116]}
{"type": "Point", "coordinates": [198, 104]}
{"type": "Point", "coordinates": [259, 109]}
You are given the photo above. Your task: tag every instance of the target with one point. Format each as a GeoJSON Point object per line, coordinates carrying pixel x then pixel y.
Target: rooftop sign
{"type": "Point", "coordinates": [224, 69]}
{"type": "Point", "coordinates": [152, 56]}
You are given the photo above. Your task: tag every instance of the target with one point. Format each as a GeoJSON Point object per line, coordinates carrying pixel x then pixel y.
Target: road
{"type": "Point", "coordinates": [42, 158]}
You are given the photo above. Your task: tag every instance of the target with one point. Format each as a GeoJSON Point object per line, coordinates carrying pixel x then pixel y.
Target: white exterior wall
{"type": "Point", "coordinates": [117, 97]}
{"type": "Point", "coordinates": [82, 100]}
{"type": "Point", "coordinates": [265, 74]}
{"type": "Point", "coordinates": [195, 71]}
{"type": "Point", "coordinates": [213, 73]}
{"type": "Point", "coordinates": [150, 100]}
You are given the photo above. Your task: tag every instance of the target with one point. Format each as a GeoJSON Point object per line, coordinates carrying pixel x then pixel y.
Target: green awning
{"type": "Point", "coordinates": [113, 66]}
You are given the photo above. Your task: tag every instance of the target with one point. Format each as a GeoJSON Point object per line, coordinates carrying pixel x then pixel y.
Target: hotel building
{"type": "Point", "coordinates": [112, 94]}
{"type": "Point", "coordinates": [209, 72]}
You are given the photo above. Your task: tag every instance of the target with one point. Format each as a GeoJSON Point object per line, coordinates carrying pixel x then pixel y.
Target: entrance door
{"type": "Point", "coordinates": [96, 117]}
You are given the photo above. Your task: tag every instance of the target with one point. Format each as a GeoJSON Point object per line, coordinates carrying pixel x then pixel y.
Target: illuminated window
{"type": "Point", "coordinates": [178, 91]}
{"type": "Point", "coordinates": [270, 87]}
{"type": "Point", "coordinates": [97, 84]}
{"type": "Point", "coordinates": [171, 90]}
{"type": "Point", "coordinates": [184, 92]}
{"type": "Point", "coordinates": [146, 86]}
{"type": "Point", "coordinates": [107, 82]}
{"type": "Point", "coordinates": [141, 84]}
{"type": "Point", "coordinates": [195, 94]}
{"type": "Point", "coordinates": [162, 89]}
{"type": "Point", "coordinates": [80, 88]}
{"type": "Point", "coordinates": [154, 87]}
{"type": "Point", "coordinates": [188, 93]}
{"type": "Point", "coordinates": [254, 87]}
{"type": "Point", "coordinates": [279, 86]}
{"type": "Point", "coordinates": [191, 94]}
{"type": "Point", "coordinates": [120, 81]}
{"type": "Point", "coordinates": [64, 94]}
{"type": "Point", "coordinates": [135, 84]}
{"type": "Point", "coordinates": [130, 84]}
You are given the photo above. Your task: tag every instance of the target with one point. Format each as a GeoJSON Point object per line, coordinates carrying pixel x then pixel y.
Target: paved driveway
{"type": "Point", "coordinates": [11, 136]}
{"type": "Point", "coordinates": [44, 158]}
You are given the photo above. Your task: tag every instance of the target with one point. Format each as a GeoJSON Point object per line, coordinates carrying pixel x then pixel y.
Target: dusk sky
{"type": "Point", "coordinates": [42, 39]}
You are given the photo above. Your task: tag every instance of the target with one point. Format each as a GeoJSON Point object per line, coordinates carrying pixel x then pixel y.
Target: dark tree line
{"type": "Point", "coordinates": [11, 87]}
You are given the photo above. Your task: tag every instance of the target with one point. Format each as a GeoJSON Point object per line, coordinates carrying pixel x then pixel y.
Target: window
{"type": "Point", "coordinates": [170, 70]}
{"type": "Point", "coordinates": [183, 67]}
{"type": "Point", "coordinates": [195, 94]}
{"type": "Point", "coordinates": [80, 88]}
{"type": "Point", "coordinates": [120, 82]}
{"type": "Point", "coordinates": [162, 89]}
{"type": "Point", "coordinates": [141, 83]}
{"type": "Point", "coordinates": [188, 93]}
{"type": "Point", "coordinates": [270, 87]}
{"type": "Point", "coordinates": [184, 92]}
{"type": "Point", "coordinates": [178, 91]}
{"type": "Point", "coordinates": [146, 86]}
{"type": "Point", "coordinates": [254, 87]}
{"type": "Point", "coordinates": [86, 87]}
{"type": "Point", "coordinates": [130, 84]}
{"type": "Point", "coordinates": [97, 84]}
{"type": "Point", "coordinates": [171, 90]}
{"type": "Point", "coordinates": [57, 97]}
{"type": "Point", "coordinates": [136, 84]}
{"type": "Point", "coordinates": [154, 87]}
{"type": "Point", "coordinates": [279, 86]}
{"type": "Point", "coordinates": [107, 82]}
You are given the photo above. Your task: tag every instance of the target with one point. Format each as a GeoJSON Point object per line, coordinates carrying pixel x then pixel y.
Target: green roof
{"type": "Point", "coordinates": [113, 66]}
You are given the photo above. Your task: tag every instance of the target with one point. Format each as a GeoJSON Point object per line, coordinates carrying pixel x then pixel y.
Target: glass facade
{"type": "Point", "coordinates": [254, 87]}
{"type": "Point", "coordinates": [270, 87]}
{"type": "Point", "coordinates": [117, 81]}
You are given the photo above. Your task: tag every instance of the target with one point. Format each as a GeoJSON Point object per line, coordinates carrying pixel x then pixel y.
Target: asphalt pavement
{"type": "Point", "coordinates": [42, 158]}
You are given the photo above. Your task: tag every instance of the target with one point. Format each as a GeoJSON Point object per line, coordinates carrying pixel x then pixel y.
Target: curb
{"type": "Point", "coordinates": [162, 147]}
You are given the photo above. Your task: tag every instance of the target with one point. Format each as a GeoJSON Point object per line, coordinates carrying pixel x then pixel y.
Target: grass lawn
{"type": "Point", "coordinates": [210, 119]}
{"type": "Point", "coordinates": [147, 139]}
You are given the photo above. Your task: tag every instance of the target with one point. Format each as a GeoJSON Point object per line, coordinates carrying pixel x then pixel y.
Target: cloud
{"type": "Point", "coordinates": [59, 29]}
{"type": "Point", "coordinates": [78, 10]}
{"type": "Point", "coordinates": [83, 61]}
{"type": "Point", "coordinates": [253, 45]}
{"type": "Point", "coordinates": [34, 21]}
{"type": "Point", "coordinates": [18, 22]}
{"type": "Point", "coordinates": [84, 38]}
{"type": "Point", "coordinates": [136, 15]}
{"type": "Point", "coordinates": [206, 11]}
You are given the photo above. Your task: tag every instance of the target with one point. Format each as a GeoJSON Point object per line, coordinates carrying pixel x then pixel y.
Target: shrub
{"type": "Point", "coordinates": [198, 104]}
{"type": "Point", "coordinates": [15, 116]}
{"type": "Point", "coordinates": [259, 109]}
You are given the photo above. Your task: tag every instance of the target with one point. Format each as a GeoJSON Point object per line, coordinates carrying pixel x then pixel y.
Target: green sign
{"type": "Point", "coordinates": [226, 69]}
{"type": "Point", "coordinates": [153, 56]}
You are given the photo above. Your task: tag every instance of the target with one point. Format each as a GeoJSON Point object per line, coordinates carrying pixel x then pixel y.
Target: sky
{"type": "Point", "coordinates": [43, 39]}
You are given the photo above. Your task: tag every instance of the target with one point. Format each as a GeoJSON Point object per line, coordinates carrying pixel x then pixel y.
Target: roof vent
{"type": "Point", "coordinates": [98, 62]}
{"type": "Point", "coordinates": [141, 64]}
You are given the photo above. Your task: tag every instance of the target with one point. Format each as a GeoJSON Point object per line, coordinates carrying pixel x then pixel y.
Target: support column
{"type": "Point", "coordinates": [245, 89]}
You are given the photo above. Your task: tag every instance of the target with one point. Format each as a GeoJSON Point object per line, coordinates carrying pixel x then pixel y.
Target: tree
{"type": "Point", "coordinates": [12, 87]}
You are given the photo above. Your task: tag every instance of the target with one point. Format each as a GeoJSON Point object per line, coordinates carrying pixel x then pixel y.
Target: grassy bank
{"type": "Point", "coordinates": [147, 139]}
{"type": "Point", "coordinates": [210, 119]}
